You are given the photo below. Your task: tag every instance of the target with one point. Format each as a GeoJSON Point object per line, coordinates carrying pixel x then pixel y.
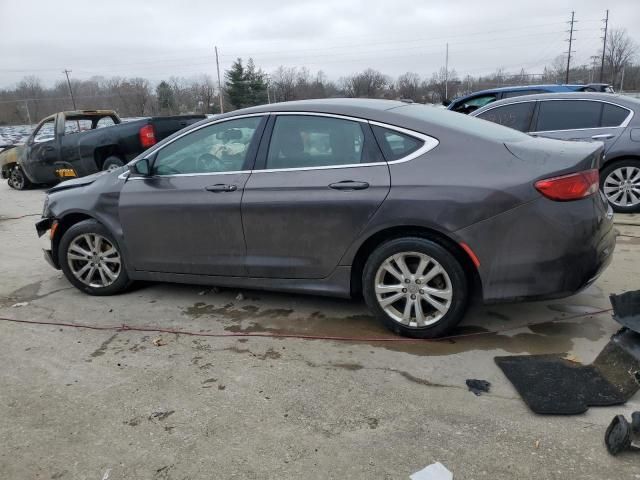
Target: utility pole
{"type": "Point", "coordinates": [566, 80]}
{"type": "Point", "coordinates": [622, 79]}
{"type": "Point", "coordinates": [26, 106]}
{"type": "Point", "coordinates": [604, 45]}
{"type": "Point", "coordinates": [219, 84]}
{"type": "Point", "coordinates": [67, 72]}
{"type": "Point", "coordinates": [446, 74]}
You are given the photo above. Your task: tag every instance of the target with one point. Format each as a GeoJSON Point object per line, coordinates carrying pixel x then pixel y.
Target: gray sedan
{"type": "Point", "coordinates": [611, 119]}
{"type": "Point", "coordinates": [415, 208]}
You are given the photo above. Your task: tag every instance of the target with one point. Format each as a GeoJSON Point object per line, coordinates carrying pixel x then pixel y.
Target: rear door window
{"type": "Point", "coordinates": [613, 116]}
{"type": "Point", "coordinates": [516, 115]}
{"type": "Point", "coordinates": [568, 115]}
{"type": "Point", "coordinates": [395, 145]}
{"type": "Point", "coordinates": [305, 141]}
{"type": "Point", "coordinates": [76, 126]}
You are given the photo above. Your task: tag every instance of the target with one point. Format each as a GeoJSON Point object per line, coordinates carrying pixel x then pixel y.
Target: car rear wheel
{"type": "Point", "coordinates": [17, 179]}
{"type": "Point", "coordinates": [92, 260]}
{"type": "Point", "coordinates": [416, 287]}
{"type": "Point", "coordinates": [111, 163]}
{"type": "Point", "coordinates": [620, 183]}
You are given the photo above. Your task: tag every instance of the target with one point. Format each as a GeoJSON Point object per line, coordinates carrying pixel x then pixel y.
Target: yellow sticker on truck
{"type": "Point", "coordinates": [66, 172]}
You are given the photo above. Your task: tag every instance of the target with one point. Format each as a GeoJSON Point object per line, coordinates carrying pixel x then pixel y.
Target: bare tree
{"type": "Point", "coordinates": [368, 84]}
{"type": "Point", "coordinates": [283, 82]}
{"type": "Point", "coordinates": [408, 86]}
{"type": "Point", "coordinates": [620, 50]}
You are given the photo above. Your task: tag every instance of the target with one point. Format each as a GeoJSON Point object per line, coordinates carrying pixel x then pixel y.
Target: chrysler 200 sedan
{"type": "Point", "coordinates": [415, 208]}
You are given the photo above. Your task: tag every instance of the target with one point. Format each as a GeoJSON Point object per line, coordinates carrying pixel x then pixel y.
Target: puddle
{"type": "Point", "coordinates": [550, 337]}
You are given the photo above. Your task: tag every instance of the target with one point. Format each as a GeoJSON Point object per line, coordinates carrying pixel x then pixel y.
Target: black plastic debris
{"type": "Point", "coordinates": [626, 309]}
{"type": "Point", "coordinates": [550, 384]}
{"type": "Point", "coordinates": [478, 387]}
{"type": "Point", "coordinates": [621, 435]}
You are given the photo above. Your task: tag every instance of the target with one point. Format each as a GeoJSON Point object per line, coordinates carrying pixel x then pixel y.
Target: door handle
{"type": "Point", "coordinates": [349, 185]}
{"type": "Point", "coordinates": [604, 136]}
{"type": "Point", "coordinates": [48, 149]}
{"type": "Point", "coordinates": [221, 188]}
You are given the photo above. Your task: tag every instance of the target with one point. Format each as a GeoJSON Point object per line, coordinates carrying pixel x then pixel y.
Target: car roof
{"type": "Point", "coordinates": [624, 100]}
{"type": "Point", "coordinates": [339, 106]}
{"type": "Point", "coordinates": [518, 88]}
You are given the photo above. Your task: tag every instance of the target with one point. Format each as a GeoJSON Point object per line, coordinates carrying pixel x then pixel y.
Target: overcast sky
{"type": "Point", "coordinates": [158, 39]}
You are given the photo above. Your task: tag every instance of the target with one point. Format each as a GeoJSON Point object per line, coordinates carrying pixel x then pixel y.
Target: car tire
{"type": "Point", "coordinates": [434, 282]}
{"type": "Point", "coordinates": [92, 260]}
{"type": "Point", "coordinates": [613, 177]}
{"type": "Point", "coordinates": [17, 179]}
{"type": "Point", "coordinates": [112, 162]}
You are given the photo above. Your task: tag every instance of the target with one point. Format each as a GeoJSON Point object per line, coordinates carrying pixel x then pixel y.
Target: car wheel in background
{"type": "Point", "coordinates": [620, 182]}
{"type": "Point", "coordinates": [17, 179]}
{"type": "Point", "coordinates": [111, 163]}
{"type": "Point", "coordinates": [416, 287]}
{"type": "Point", "coordinates": [92, 260]}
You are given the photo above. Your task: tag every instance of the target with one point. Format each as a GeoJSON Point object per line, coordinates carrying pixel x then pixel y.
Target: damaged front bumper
{"type": "Point", "coordinates": [46, 228]}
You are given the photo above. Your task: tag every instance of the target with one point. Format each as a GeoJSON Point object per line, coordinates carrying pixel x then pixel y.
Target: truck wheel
{"type": "Point", "coordinates": [17, 179]}
{"type": "Point", "coordinates": [111, 163]}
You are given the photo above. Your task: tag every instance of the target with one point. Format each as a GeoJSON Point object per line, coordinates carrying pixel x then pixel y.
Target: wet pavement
{"type": "Point", "coordinates": [78, 403]}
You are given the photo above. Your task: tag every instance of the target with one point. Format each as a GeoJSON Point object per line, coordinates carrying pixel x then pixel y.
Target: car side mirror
{"type": "Point", "coordinates": [446, 102]}
{"type": "Point", "coordinates": [141, 168]}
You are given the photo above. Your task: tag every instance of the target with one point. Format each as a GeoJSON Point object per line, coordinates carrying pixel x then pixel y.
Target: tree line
{"type": "Point", "coordinates": [245, 84]}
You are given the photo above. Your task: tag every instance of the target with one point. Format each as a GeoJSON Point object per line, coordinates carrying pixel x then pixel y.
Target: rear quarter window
{"type": "Point", "coordinates": [613, 116]}
{"type": "Point", "coordinates": [395, 145]}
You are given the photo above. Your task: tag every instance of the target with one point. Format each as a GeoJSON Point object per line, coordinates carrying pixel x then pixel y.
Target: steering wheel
{"type": "Point", "coordinates": [208, 163]}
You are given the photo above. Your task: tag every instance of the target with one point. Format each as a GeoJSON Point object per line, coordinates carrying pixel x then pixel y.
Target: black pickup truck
{"type": "Point", "coordinates": [78, 143]}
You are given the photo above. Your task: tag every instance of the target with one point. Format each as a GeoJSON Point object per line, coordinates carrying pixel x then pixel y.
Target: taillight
{"type": "Point", "coordinates": [570, 187]}
{"type": "Point", "coordinates": [147, 136]}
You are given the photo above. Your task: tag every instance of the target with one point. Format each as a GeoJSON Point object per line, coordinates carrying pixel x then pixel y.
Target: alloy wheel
{"type": "Point", "coordinates": [622, 186]}
{"type": "Point", "coordinates": [94, 260]}
{"type": "Point", "coordinates": [413, 289]}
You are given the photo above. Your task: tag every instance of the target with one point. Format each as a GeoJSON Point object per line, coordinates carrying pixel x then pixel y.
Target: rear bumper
{"type": "Point", "coordinates": [543, 249]}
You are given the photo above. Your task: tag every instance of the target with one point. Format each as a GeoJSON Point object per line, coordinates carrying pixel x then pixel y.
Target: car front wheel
{"type": "Point", "coordinates": [416, 287]}
{"type": "Point", "coordinates": [92, 260]}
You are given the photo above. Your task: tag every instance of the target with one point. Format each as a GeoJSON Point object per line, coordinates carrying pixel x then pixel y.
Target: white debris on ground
{"type": "Point", "coordinates": [435, 471]}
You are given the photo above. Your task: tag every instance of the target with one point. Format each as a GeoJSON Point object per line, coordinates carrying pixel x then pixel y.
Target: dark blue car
{"type": "Point", "coordinates": [473, 101]}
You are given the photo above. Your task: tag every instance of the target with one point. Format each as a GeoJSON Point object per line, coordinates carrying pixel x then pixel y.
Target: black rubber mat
{"type": "Point", "coordinates": [550, 384]}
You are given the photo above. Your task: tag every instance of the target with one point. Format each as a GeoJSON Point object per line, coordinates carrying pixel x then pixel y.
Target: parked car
{"type": "Point", "coordinates": [611, 119]}
{"type": "Point", "coordinates": [78, 143]}
{"type": "Point", "coordinates": [416, 208]}
{"type": "Point", "coordinates": [473, 101]}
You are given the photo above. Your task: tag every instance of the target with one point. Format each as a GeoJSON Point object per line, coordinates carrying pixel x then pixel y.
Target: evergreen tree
{"type": "Point", "coordinates": [245, 85]}
{"type": "Point", "coordinates": [166, 100]}
{"type": "Point", "coordinates": [236, 88]}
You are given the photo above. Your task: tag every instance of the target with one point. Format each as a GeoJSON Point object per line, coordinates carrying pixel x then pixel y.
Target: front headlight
{"type": "Point", "coordinates": [45, 208]}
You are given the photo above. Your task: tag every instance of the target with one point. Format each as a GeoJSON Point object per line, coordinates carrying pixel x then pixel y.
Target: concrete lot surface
{"type": "Point", "coordinates": [88, 404]}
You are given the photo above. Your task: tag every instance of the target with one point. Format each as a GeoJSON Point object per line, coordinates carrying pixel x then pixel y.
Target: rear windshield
{"type": "Point", "coordinates": [462, 123]}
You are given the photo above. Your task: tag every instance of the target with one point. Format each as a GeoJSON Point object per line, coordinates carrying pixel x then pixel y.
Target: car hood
{"type": "Point", "coordinates": [84, 181]}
